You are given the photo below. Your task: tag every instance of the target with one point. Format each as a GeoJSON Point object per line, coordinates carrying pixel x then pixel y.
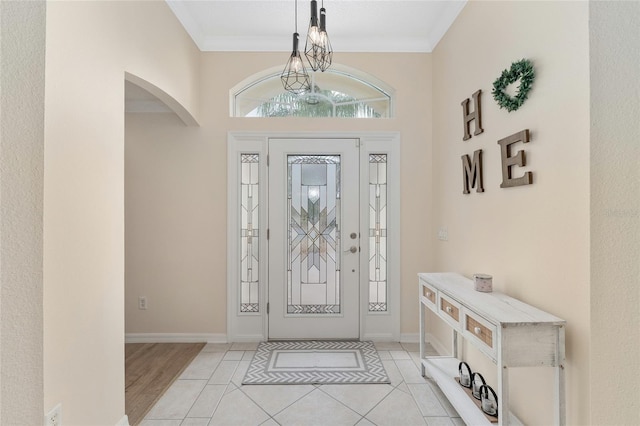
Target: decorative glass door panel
{"type": "Point", "coordinates": [314, 238]}
{"type": "Point", "coordinates": [313, 199]}
{"type": "Point", "coordinates": [378, 233]}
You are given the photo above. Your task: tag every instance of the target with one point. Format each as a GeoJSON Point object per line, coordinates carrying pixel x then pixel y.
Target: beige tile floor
{"type": "Point", "coordinates": [210, 392]}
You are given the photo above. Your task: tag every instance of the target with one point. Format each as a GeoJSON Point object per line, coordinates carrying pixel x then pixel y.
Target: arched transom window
{"type": "Point", "coordinates": [337, 92]}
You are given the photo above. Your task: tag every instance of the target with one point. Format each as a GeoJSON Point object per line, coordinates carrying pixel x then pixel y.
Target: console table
{"type": "Point", "coordinates": [510, 332]}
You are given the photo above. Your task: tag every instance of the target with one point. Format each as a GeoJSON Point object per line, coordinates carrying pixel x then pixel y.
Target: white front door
{"type": "Point", "coordinates": [314, 241]}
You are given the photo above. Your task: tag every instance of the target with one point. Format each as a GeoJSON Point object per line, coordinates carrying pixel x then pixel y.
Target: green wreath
{"type": "Point", "coordinates": [521, 70]}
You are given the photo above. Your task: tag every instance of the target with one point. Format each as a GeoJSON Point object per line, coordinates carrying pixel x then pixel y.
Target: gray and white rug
{"type": "Point", "coordinates": [315, 362]}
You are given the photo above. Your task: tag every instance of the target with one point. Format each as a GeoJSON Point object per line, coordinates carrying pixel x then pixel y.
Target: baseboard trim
{"type": "Point", "coordinates": [410, 337]}
{"type": "Point", "coordinates": [248, 338]}
{"type": "Point", "coordinates": [124, 421]}
{"type": "Point", "coordinates": [379, 337]}
{"type": "Point", "coordinates": [437, 345]}
{"type": "Point", "coordinates": [175, 338]}
{"type": "Point", "coordinates": [428, 337]}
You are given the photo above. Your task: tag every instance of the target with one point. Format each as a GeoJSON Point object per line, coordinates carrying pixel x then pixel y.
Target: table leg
{"type": "Point", "coordinates": [560, 410]}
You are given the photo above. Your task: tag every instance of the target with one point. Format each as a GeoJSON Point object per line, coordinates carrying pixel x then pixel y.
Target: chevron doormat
{"type": "Point", "coordinates": [315, 362]}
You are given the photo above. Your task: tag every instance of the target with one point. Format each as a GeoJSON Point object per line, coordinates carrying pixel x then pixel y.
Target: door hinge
{"type": "Point", "coordinates": [267, 308]}
{"type": "Point", "coordinates": [267, 160]}
{"type": "Point", "coordinates": [267, 233]}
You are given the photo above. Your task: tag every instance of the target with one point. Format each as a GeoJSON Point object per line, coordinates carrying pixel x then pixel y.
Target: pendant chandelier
{"type": "Point", "coordinates": [318, 51]}
{"type": "Point", "coordinates": [295, 77]}
{"type": "Point", "coordinates": [317, 48]}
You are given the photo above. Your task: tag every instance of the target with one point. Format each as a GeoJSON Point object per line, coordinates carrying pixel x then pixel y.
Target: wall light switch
{"type": "Point", "coordinates": [443, 233]}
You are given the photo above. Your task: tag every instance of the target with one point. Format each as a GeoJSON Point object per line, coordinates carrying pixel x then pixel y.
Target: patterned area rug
{"type": "Point", "coordinates": [315, 362]}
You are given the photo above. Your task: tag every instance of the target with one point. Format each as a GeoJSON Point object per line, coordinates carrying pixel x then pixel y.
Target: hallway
{"type": "Point", "coordinates": [210, 392]}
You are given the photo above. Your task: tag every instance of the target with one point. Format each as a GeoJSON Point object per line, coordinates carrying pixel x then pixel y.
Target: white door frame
{"type": "Point", "coordinates": [376, 326]}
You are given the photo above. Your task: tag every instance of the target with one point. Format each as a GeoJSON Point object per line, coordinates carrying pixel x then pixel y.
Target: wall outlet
{"type": "Point", "coordinates": [142, 302]}
{"type": "Point", "coordinates": [54, 417]}
{"type": "Point", "coordinates": [443, 234]}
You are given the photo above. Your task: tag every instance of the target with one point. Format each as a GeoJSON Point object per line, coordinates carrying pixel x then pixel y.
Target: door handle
{"type": "Point", "coordinates": [352, 249]}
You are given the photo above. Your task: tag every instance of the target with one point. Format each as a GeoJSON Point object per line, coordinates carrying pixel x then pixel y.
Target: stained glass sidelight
{"type": "Point", "coordinates": [377, 233]}
{"type": "Point", "coordinates": [313, 215]}
{"type": "Point", "coordinates": [249, 235]}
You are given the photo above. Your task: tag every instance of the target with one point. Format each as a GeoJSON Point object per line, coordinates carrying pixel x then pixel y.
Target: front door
{"type": "Point", "coordinates": [314, 241]}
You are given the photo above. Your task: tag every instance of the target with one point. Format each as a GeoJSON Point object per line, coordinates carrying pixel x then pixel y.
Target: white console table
{"type": "Point", "coordinates": [510, 332]}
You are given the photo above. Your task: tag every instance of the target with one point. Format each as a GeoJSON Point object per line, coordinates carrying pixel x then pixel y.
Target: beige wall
{"type": "Point", "coordinates": [22, 43]}
{"type": "Point", "coordinates": [615, 213]}
{"type": "Point", "coordinates": [534, 239]}
{"type": "Point", "coordinates": [90, 46]}
{"type": "Point", "coordinates": [176, 190]}
{"type": "Point", "coordinates": [175, 204]}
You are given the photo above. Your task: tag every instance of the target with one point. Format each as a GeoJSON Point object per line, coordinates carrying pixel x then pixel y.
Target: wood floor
{"type": "Point", "coordinates": [150, 368]}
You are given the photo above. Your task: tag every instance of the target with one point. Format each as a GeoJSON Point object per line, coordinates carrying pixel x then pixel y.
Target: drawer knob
{"type": "Point", "coordinates": [448, 309]}
{"type": "Point", "coordinates": [477, 330]}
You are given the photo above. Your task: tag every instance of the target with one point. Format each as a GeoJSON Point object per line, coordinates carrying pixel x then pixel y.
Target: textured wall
{"type": "Point", "coordinates": [22, 44]}
{"type": "Point", "coordinates": [615, 212]}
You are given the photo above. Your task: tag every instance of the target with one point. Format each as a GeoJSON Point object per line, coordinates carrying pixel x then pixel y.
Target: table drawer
{"type": "Point", "coordinates": [481, 332]}
{"type": "Point", "coordinates": [429, 296]}
{"type": "Point", "coordinates": [449, 310]}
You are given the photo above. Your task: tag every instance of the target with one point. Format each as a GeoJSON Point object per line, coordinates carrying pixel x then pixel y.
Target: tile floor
{"type": "Point", "coordinates": [210, 392]}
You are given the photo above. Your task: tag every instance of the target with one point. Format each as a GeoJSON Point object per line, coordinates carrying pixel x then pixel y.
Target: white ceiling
{"type": "Point", "coordinates": [352, 25]}
{"type": "Point", "coordinates": [267, 25]}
